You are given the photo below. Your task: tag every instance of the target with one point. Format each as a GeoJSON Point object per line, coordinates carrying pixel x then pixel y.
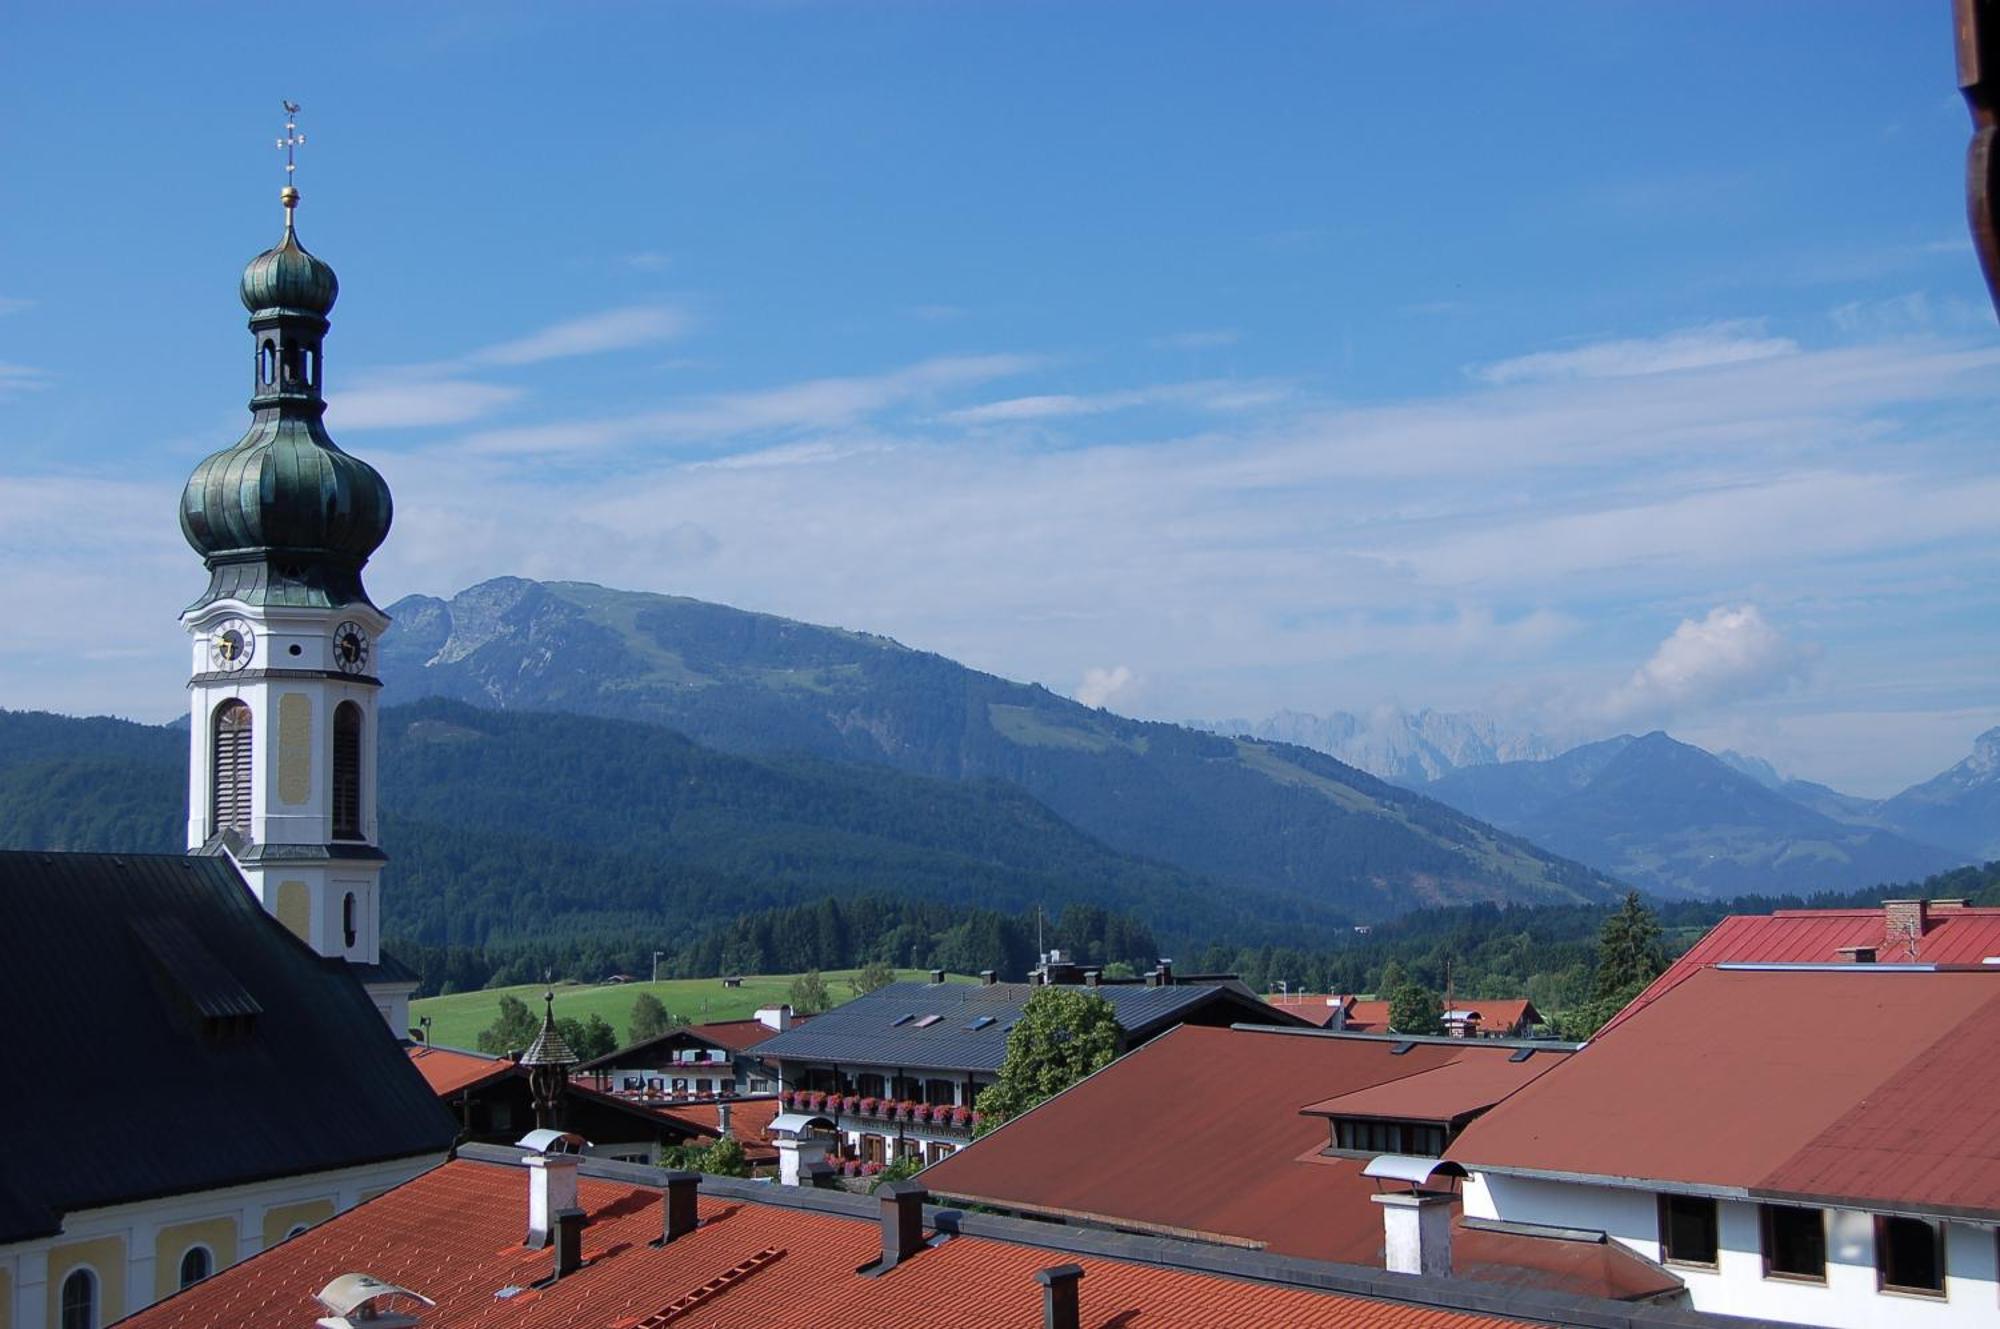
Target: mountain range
{"type": "Point", "coordinates": [1410, 748]}
{"type": "Point", "coordinates": [1244, 814]}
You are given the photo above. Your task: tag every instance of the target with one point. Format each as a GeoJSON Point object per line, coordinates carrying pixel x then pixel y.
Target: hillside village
{"type": "Point", "coordinates": [799, 978]}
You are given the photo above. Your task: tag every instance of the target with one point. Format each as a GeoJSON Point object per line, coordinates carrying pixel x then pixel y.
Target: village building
{"type": "Point", "coordinates": [196, 1085]}
{"type": "Point", "coordinates": [1262, 1138]}
{"type": "Point", "coordinates": [896, 1073]}
{"type": "Point", "coordinates": [1810, 1143]}
{"type": "Point", "coordinates": [554, 1241]}
{"type": "Point", "coordinates": [716, 1058]}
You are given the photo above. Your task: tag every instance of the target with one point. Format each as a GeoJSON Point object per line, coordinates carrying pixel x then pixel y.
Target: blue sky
{"type": "Point", "coordinates": [1599, 366]}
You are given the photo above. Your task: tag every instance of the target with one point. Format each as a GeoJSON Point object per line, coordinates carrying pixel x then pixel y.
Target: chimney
{"type": "Point", "coordinates": [677, 1206]}
{"type": "Point", "coordinates": [722, 1118]}
{"type": "Point", "coordinates": [569, 1241]}
{"type": "Point", "coordinates": [937, 976]}
{"type": "Point", "coordinates": [1416, 1232]}
{"type": "Point", "coordinates": [987, 978]}
{"type": "Point", "coordinates": [1092, 977]}
{"type": "Point", "coordinates": [902, 1222]}
{"type": "Point", "coordinates": [551, 1190]}
{"type": "Point", "coordinates": [1945, 906]}
{"type": "Point", "coordinates": [1166, 972]}
{"type": "Point", "coordinates": [1905, 919]}
{"type": "Point", "coordinates": [1059, 1300]}
{"type": "Point", "coordinates": [775, 1017]}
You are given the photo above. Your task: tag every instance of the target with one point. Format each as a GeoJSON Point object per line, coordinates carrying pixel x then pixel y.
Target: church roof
{"type": "Point", "coordinates": [181, 1039]}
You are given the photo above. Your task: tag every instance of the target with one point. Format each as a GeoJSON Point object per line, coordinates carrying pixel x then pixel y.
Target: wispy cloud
{"type": "Point", "coordinates": [1100, 687]}
{"type": "Point", "coordinates": [1731, 342]}
{"type": "Point", "coordinates": [13, 305]}
{"type": "Point", "coordinates": [592, 334]}
{"type": "Point", "coordinates": [21, 378]}
{"type": "Point", "coordinates": [388, 404]}
{"type": "Point", "coordinates": [648, 260]}
{"type": "Point", "coordinates": [1210, 395]}
{"type": "Point", "coordinates": [821, 403]}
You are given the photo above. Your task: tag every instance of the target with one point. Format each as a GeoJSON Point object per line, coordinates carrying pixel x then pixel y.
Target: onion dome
{"type": "Point", "coordinates": [284, 516]}
{"type": "Point", "coordinates": [288, 278]}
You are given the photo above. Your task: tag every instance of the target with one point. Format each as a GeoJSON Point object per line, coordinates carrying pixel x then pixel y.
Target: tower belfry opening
{"type": "Point", "coordinates": [282, 770]}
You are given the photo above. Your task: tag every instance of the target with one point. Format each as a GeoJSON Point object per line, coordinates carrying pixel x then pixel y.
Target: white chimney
{"type": "Point", "coordinates": [775, 1017]}
{"type": "Point", "coordinates": [722, 1119]}
{"type": "Point", "coordinates": [551, 1190]}
{"type": "Point", "coordinates": [1416, 1232]}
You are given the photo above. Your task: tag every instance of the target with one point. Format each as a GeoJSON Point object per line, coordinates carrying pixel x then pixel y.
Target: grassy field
{"type": "Point", "coordinates": [456, 1020]}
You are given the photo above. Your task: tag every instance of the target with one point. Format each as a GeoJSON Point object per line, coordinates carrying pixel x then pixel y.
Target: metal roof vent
{"type": "Point", "coordinates": [1402, 1047]}
{"type": "Point", "coordinates": [1522, 1054]}
{"type": "Point", "coordinates": [362, 1299]}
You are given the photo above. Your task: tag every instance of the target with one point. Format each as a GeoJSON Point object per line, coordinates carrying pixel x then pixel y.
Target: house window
{"type": "Point", "coordinates": [79, 1300]}
{"type": "Point", "coordinates": [869, 1086]}
{"type": "Point", "coordinates": [1794, 1242]}
{"type": "Point", "coordinates": [1909, 1255]}
{"type": "Point", "coordinates": [230, 805]}
{"type": "Point", "coordinates": [1687, 1229]}
{"type": "Point", "coordinates": [1367, 1136]}
{"type": "Point", "coordinates": [347, 771]}
{"type": "Point", "coordinates": [348, 928]}
{"type": "Point", "coordinates": [196, 1265]}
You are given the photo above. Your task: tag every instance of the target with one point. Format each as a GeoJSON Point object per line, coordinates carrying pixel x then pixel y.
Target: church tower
{"type": "Point", "coordinates": [282, 759]}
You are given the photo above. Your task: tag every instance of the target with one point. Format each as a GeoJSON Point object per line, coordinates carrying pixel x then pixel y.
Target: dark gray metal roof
{"type": "Point", "coordinates": [171, 1036]}
{"type": "Point", "coordinates": [871, 1031]}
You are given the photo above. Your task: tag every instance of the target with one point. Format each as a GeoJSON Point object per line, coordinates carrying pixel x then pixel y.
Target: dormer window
{"type": "Point", "coordinates": [1374, 1135]}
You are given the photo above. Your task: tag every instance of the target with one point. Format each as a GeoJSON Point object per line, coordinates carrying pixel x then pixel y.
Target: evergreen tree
{"type": "Point", "coordinates": [1061, 1036]}
{"type": "Point", "coordinates": [515, 1028]}
{"type": "Point", "coordinates": [1415, 1010]}
{"type": "Point", "coordinates": [809, 994]}
{"type": "Point", "coordinates": [1629, 954]}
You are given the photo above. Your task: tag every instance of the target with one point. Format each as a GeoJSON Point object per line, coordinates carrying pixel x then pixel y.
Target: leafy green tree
{"type": "Point", "coordinates": [873, 975]}
{"type": "Point", "coordinates": [718, 1158]}
{"type": "Point", "coordinates": [588, 1039]}
{"type": "Point", "coordinates": [515, 1028]}
{"type": "Point", "coordinates": [900, 1170]}
{"type": "Point", "coordinates": [651, 1018]}
{"type": "Point", "coordinates": [1061, 1036]}
{"type": "Point", "coordinates": [1415, 1010]}
{"type": "Point", "coordinates": [809, 994]}
{"type": "Point", "coordinates": [1629, 954]}
{"type": "Point", "coordinates": [1120, 969]}
{"type": "Point", "coordinates": [1392, 981]}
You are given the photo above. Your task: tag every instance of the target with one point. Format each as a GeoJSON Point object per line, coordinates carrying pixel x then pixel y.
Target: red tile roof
{"type": "Point", "coordinates": [1857, 1083]}
{"type": "Point", "coordinates": [454, 1234]}
{"type": "Point", "coordinates": [1503, 1014]}
{"type": "Point", "coordinates": [737, 1035]}
{"type": "Point", "coordinates": [1367, 1017]}
{"type": "Point", "coordinates": [1316, 1007]}
{"type": "Point", "coordinates": [1217, 1111]}
{"type": "Point", "coordinates": [448, 1070]}
{"type": "Point", "coordinates": [749, 1123]}
{"type": "Point", "coordinates": [1459, 1088]}
{"type": "Point", "coordinates": [1955, 935]}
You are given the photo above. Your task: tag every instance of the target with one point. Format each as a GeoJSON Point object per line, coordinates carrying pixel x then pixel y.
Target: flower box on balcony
{"type": "Point", "coordinates": [785, 1096]}
{"type": "Point", "coordinates": [866, 1107]}
{"type": "Point", "coordinates": [961, 1116]}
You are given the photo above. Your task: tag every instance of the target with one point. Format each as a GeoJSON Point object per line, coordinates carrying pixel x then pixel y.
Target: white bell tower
{"type": "Point", "coordinates": [282, 770]}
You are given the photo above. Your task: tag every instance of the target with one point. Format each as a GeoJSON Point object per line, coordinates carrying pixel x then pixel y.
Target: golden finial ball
{"type": "Point", "coordinates": [289, 196]}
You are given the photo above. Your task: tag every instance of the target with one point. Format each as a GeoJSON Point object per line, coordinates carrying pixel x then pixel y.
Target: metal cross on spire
{"type": "Point", "coordinates": [293, 139]}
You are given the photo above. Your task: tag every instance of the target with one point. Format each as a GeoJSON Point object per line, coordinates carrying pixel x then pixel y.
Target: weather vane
{"type": "Point", "coordinates": [292, 141]}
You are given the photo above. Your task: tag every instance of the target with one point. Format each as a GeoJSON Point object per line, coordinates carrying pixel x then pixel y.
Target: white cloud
{"type": "Point", "coordinates": [822, 403]}
{"type": "Point", "coordinates": [13, 305]}
{"type": "Point", "coordinates": [648, 260]}
{"type": "Point", "coordinates": [1212, 395]}
{"type": "Point", "coordinates": [1723, 343]}
{"type": "Point", "coordinates": [388, 404]}
{"type": "Point", "coordinates": [1101, 686]}
{"type": "Point", "coordinates": [1731, 654]}
{"type": "Point", "coordinates": [611, 330]}
{"type": "Point", "coordinates": [21, 378]}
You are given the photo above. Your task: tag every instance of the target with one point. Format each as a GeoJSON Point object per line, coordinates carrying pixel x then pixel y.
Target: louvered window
{"type": "Point", "coordinates": [232, 768]}
{"type": "Point", "coordinates": [347, 772]}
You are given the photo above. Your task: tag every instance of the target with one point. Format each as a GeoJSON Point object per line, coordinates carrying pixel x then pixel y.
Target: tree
{"type": "Point", "coordinates": [1120, 969]}
{"type": "Point", "coordinates": [718, 1158]}
{"type": "Point", "coordinates": [1392, 980]}
{"type": "Point", "coordinates": [1415, 1010]}
{"type": "Point", "coordinates": [588, 1039]}
{"type": "Point", "coordinates": [651, 1018]}
{"type": "Point", "coordinates": [515, 1028]}
{"type": "Point", "coordinates": [1629, 954]}
{"type": "Point", "coordinates": [1061, 1036]}
{"type": "Point", "coordinates": [900, 1170]}
{"type": "Point", "coordinates": [873, 975]}
{"type": "Point", "coordinates": [809, 994]}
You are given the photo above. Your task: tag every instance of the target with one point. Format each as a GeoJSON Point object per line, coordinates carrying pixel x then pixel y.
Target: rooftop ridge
{"type": "Point", "coordinates": [1446, 1040]}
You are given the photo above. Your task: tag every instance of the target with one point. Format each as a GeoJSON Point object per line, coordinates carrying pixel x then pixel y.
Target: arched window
{"type": "Point", "coordinates": [196, 1265]}
{"type": "Point", "coordinates": [79, 1300]}
{"type": "Point", "coordinates": [347, 771]}
{"type": "Point", "coordinates": [347, 928]}
{"type": "Point", "coordinates": [267, 362]}
{"type": "Point", "coordinates": [231, 776]}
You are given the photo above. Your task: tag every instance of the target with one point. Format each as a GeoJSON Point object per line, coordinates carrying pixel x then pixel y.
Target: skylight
{"type": "Point", "coordinates": [900, 1021]}
{"type": "Point", "coordinates": [981, 1023]}
{"type": "Point", "coordinates": [928, 1021]}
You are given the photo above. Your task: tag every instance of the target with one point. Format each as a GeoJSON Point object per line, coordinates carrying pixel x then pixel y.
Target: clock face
{"type": "Point", "coordinates": [232, 644]}
{"type": "Point", "coordinates": [350, 648]}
